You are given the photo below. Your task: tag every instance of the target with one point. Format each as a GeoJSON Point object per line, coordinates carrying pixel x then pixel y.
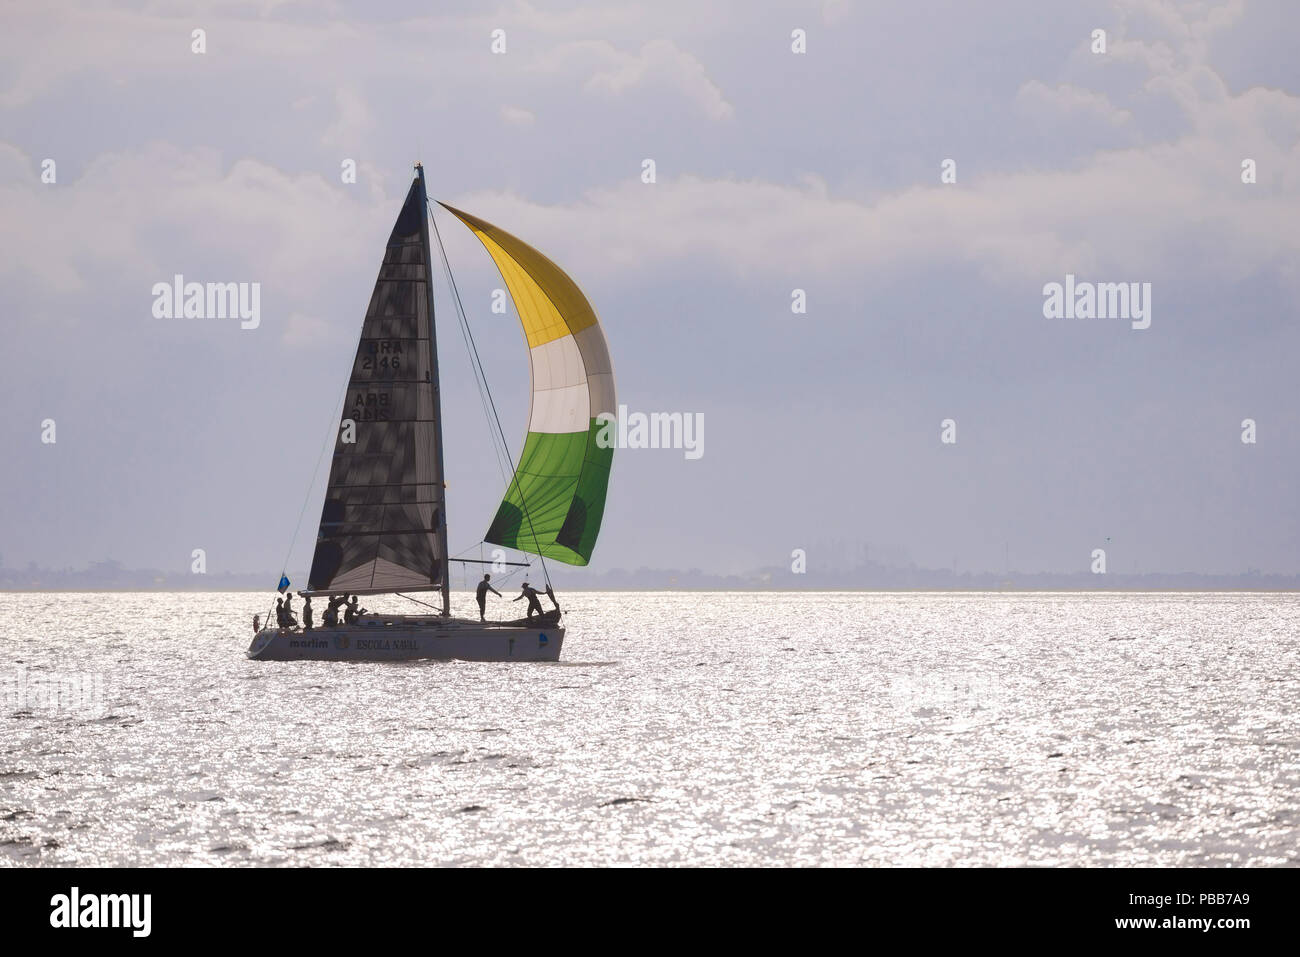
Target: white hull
{"type": "Point", "coordinates": [407, 638]}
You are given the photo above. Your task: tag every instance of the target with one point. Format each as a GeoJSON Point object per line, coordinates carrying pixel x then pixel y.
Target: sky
{"type": "Point", "coordinates": [775, 171]}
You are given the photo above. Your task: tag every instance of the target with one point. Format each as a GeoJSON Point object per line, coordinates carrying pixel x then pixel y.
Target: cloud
{"type": "Point", "coordinates": [661, 61]}
{"type": "Point", "coordinates": [352, 123]}
{"type": "Point", "coordinates": [159, 210]}
{"type": "Point", "coordinates": [43, 52]}
{"type": "Point", "coordinates": [1037, 98]}
{"type": "Point", "coordinates": [1140, 211]}
{"type": "Point", "coordinates": [517, 116]}
{"type": "Point", "coordinates": [1150, 211]}
{"type": "Point", "coordinates": [1147, 209]}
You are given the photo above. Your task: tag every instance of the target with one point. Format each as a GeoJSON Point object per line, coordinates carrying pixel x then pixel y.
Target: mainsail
{"type": "Point", "coordinates": [383, 526]}
{"type": "Point", "coordinates": [555, 501]}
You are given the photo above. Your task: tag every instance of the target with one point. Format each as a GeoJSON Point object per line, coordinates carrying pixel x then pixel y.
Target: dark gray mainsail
{"type": "Point", "coordinates": [383, 527]}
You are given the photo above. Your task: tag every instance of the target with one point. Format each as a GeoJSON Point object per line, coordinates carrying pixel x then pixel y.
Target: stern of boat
{"type": "Point", "coordinates": [261, 641]}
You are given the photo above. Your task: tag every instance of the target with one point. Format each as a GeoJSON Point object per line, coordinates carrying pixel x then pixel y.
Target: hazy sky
{"type": "Point", "coordinates": [775, 171]}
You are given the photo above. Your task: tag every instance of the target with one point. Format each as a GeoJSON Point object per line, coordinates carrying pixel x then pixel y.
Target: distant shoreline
{"type": "Point", "coordinates": [110, 576]}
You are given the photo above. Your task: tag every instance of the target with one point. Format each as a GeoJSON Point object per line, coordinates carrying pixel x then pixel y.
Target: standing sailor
{"type": "Point", "coordinates": [306, 613]}
{"type": "Point", "coordinates": [481, 595]}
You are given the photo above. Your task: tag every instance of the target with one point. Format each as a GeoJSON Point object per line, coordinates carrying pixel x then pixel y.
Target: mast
{"type": "Point", "coordinates": [437, 393]}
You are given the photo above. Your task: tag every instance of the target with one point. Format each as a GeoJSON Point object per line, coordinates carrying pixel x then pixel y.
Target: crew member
{"type": "Point", "coordinates": [481, 595]}
{"type": "Point", "coordinates": [530, 593]}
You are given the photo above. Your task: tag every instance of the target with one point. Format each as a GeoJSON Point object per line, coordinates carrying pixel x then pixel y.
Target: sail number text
{"type": "Point", "coordinates": [382, 355]}
{"type": "Point", "coordinates": [371, 406]}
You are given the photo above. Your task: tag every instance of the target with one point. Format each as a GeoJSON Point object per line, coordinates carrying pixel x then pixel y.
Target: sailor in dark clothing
{"type": "Point", "coordinates": [331, 616]}
{"type": "Point", "coordinates": [306, 613]}
{"type": "Point", "coordinates": [530, 593]}
{"type": "Point", "coordinates": [481, 595]}
{"type": "Point", "coordinates": [289, 620]}
{"type": "Point", "coordinates": [351, 612]}
{"type": "Point", "coordinates": [284, 614]}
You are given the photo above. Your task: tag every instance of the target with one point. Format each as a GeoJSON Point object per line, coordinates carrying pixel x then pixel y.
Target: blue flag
{"type": "Point", "coordinates": [284, 583]}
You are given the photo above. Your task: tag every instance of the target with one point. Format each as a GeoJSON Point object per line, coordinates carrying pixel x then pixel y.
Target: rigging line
{"type": "Point", "coordinates": [477, 384]}
{"type": "Point", "coordinates": [480, 381]}
{"type": "Point", "coordinates": [514, 476]}
{"type": "Point", "coordinates": [460, 557]}
{"type": "Point", "coordinates": [480, 378]}
{"type": "Point", "coordinates": [314, 472]}
{"type": "Point", "coordinates": [284, 568]}
{"type": "Point", "coordinates": [418, 602]}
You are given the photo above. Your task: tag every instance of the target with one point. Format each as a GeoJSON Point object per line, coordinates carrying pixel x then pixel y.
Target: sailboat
{"type": "Point", "coordinates": [383, 525]}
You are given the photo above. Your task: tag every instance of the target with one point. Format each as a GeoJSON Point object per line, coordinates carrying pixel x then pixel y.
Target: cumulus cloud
{"type": "Point", "coordinates": [44, 52]}
{"type": "Point", "coordinates": [518, 116]}
{"type": "Point", "coordinates": [1139, 207]}
{"type": "Point", "coordinates": [159, 210]}
{"type": "Point", "coordinates": [1037, 98]}
{"type": "Point", "coordinates": [662, 61]}
{"type": "Point", "coordinates": [1145, 207]}
{"type": "Point", "coordinates": [352, 122]}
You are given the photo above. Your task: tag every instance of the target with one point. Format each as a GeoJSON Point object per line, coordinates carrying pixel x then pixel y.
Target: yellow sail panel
{"type": "Point", "coordinates": [549, 303]}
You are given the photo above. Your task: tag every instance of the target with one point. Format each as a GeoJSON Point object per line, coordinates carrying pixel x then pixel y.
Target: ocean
{"type": "Point", "coordinates": [680, 728]}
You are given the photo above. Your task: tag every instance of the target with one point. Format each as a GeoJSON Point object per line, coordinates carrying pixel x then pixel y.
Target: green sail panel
{"type": "Point", "coordinates": [563, 478]}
